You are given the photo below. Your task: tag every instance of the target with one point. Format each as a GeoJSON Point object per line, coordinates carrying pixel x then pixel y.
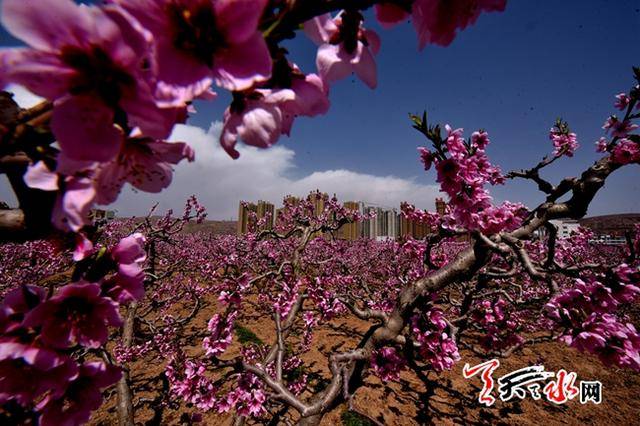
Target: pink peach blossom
{"type": "Point", "coordinates": [82, 396]}
{"type": "Point", "coordinates": [437, 21]}
{"type": "Point", "coordinates": [92, 62]}
{"type": "Point", "coordinates": [389, 14]}
{"type": "Point", "coordinates": [198, 42]}
{"type": "Point", "coordinates": [618, 128]}
{"type": "Point", "coordinates": [261, 116]}
{"type": "Point", "coordinates": [74, 201]}
{"type": "Point", "coordinates": [622, 101]}
{"type": "Point", "coordinates": [16, 304]}
{"type": "Point", "coordinates": [144, 163]}
{"type": "Point", "coordinates": [339, 57]}
{"type": "Point", "coordinates": [626, 151]}
{"type": "Point", "coordinates": [602, 144]}
{"type": "Point", "coordinates": [564, 142]}
{"type": "Point", "coordinates": [76, 314]}
{"type": "Point", "coordinates": [27, 372]}
{"type": "Point", "coordinates": [126, 285]}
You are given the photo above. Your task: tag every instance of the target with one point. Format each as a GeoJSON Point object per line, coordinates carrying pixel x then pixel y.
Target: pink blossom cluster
{"type": "Point", "coordinates": [221, 325]}
{"type": "Point", "coordinates": [387, 364]}
{"type": "Point", "coordinates": [431, 219]}
{"type": "Point", "coordinates": [626, 151]}
{"type": "Point", "coordinates": [436, 346]}
{"type": "Point", "coordinates": [194, 210]}
{"type": "Point", "coordinates": [618, 128]}
{"type": "Point", "coordinates": [123, 354]}
{"type": "Point", "coordinates": [488, 312]}
{"type": "Point", "coordinates": [564, 141]}
{"type": "Point", "coordinates": [287, 296]}
{"type": "Point", "coordinates": [164, 341]}
{"type": "Point", "coordinates": [304, 211]}
{"type": "Point", "coordinates": [116, 92]}
{"type": "Point", "coordinates": [614, 343]}
{"type": "Point", "coordinates": [109, 117]}
{"type": "Point", "coordinates": [594, 296]}
{"type": "Point", "coordinates": [602, 145]}
{"type": "Point", "coordinates": [260, 115]}
{"type": "Point", "coordinates": [325, 300]}
{"type": "Point", "coordinates": [587, 311]}
{"type": "Point", "coordinates": [247, 398]}
{"type": "Point", "coordinates": [623, 146]}
{"type": "Point", "coordinates": [118, 269]}
{"type": "Point", "coordinates": [437, 21]}
{"type": "Point", "coordinates": [39, 333]}
{"type": "Point", "coordinates": [310, 322]}
{"type": "Point", "coordinates": [126, 284]}
{"type": "Point", "coordinates": [34, 347]}
{"type": "Point", "coordinates": [30, 262]}
{"type": "Point", "coordinates": [344, 47]}
{"type": "Point", "coordinates": [221, 329]}
{"type": "Point", "coordinates": [188, 381]}
{"type": "Point", "coordinates": [382, 300]}
{"type": "Point", "coordinates": [500, 328]}
{"type": "Point", "coordinates": [623, 101]}
{"type": "Point", "coordinates": [416, 251]}
{"type": "Point", "coordinates": [575, 249]}
{"type": "Point", "coordinates": [292, 371]}
{"type": "Point", "coordinates": [463, 170]}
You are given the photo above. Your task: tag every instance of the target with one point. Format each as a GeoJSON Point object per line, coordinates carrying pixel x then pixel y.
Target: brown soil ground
{"type": "Point", "coordinates": [440, 399]}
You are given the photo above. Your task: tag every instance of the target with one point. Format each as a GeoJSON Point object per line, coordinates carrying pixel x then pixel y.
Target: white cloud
{"type": "Point", "coordinates": [22, 96]}
{"type": "Point", "coordinates": [220, 182]}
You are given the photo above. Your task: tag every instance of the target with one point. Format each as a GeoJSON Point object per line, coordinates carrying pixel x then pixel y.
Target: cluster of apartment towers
{"type": "Point", "coordinates": [387, 224]}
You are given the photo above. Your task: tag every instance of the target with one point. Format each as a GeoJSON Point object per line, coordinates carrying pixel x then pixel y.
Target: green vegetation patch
{"type": "Point", "coordinates": [351, 418]}
{"type": "Point", "coordinates": [246, 336]}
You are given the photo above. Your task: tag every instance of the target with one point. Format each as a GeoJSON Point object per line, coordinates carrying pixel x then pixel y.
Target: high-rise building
{"type": "Point", "coordinates": [260, 210]}
{"type": "Point", "coordinates": [351, 231]}
{"type": "Point", "coordinates": [276, 215]}
{"type": "Point", "coordinates": [414, 229]}
{"type": "Point", "coordinates": [292, 200]}
{"type": "Point", "coordinates": [317, 199]}
{"type": "Point", "coordinates": [384, 225]}
{"type": "Point", "coordinates": [244, 216]}
{"type": "Point", "coordinates": [288, 200]}
{"type": "Point", "coordinates": [265, 209]}
{"type": "Point", "coordinates": [441, 206]}
{"type": "Point", "coordinates": [393, 223]}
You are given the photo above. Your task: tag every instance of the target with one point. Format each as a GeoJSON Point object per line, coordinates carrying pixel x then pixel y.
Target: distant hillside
{"type": "Point", "coordinates": [612, 224]}
{"type": "Point", "coordinates": [215, 227]}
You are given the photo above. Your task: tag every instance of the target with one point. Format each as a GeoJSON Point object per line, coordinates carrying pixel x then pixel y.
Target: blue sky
{"type": "Point", "coordinates": [511, 73]}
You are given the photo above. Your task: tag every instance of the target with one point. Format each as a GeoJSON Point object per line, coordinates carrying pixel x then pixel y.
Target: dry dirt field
{"type": "Point", "coordinates": [438, 399]}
